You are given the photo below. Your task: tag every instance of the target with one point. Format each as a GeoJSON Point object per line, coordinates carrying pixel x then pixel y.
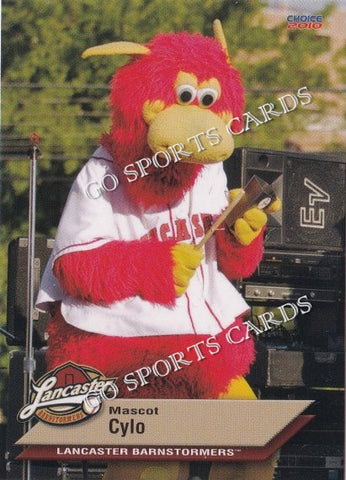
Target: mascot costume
{"type": "Point", "coordinates": [126, 287]}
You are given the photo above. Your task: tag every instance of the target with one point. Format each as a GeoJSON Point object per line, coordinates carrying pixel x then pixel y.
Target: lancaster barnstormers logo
{"type": "Point", "coordinates": [68, 394]}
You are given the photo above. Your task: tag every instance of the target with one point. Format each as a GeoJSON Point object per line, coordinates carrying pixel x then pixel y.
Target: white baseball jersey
{"type": "Point", "coordinates": [210, 304]}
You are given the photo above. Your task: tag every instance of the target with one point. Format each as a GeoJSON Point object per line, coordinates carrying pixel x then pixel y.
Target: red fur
{"type": "Point", "coordinates": [119, 270]}
{"type": "Point", "coordinates": [118, 356]}
{"type": "Point", "coordinates": [162, 187]}
{"type": "Point", "coordinates": [235, 260]}
{"type": "Point", "coordinates": [152, 77]}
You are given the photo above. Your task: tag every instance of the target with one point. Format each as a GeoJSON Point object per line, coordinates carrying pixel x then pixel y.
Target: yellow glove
{"type": "Point", "coordinates": [250, 225]}
{"type": "Point", "coordinates": [186, 259]}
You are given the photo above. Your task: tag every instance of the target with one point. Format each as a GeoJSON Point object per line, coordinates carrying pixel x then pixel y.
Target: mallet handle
{"type": "Point", "coordinates": [219, 221]}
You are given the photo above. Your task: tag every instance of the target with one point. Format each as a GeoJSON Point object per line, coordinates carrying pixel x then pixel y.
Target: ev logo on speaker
{"type": "Point", "coordinates": [313, 216]}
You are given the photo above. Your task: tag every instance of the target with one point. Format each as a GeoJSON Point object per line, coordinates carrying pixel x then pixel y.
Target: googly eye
{"type": "Point", "coordinates": [207, 96]}
{"type": "Point", "coordinates": [186, 94]}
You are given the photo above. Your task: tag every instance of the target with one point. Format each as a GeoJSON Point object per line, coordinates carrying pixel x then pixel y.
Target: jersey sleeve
{"type": "Point", "coordinates": [92, 262]}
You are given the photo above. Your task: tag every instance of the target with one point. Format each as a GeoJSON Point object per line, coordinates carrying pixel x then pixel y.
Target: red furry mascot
{"type": "Point", "coordinates": [126, 286]}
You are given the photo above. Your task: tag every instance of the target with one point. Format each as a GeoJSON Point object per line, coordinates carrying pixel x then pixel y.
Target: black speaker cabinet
{"type": "Point", "coordinates": [312, 189]}
{"type": "Point", "coordinates": [300, 368]}
{"type": "Point", "coordinates": [17, 289]}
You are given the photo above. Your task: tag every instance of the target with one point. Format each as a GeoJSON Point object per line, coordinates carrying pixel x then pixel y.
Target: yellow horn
{"type": "Point", "coordinates": [116, 48]}
{"type": "Point", "coordinates": [220, 36]}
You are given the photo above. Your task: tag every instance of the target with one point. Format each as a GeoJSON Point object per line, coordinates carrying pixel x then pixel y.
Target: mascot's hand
{"type": "Point", "coordinates": [186, 259]}
{"type": "Point", "coordinates": [250, 225]}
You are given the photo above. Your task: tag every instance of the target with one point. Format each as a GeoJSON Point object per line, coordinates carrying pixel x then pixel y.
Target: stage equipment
{"type": "Point", "coordinates": [318, 269]}
{"type": "Point", "coordinates": [17, 281]}
{"type": "Point", "coordinates": [300, 351]}
{"type": "Point", "coordinates": [317, 451]}
{"type": "Point", "coordinates": [297, 305]}
{"type": "Point", "coordinates": [15, 429]}
{"type": "Point", "coordinates": [312, 189]}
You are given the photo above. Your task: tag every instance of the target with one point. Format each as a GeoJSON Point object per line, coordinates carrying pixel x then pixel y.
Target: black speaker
{"type": "Point", "coordinates": [312, 190]}
{"type": "Point", "coordinates": [17, 289]}
{"type": "Point", "coordinates": [298, 368]}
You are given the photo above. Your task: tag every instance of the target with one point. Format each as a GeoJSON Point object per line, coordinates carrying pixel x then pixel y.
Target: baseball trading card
{"type": "Point", "coordinates": [173, 255]}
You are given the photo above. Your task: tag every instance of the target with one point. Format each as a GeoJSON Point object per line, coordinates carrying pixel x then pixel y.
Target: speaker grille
{"type": "Point", "coordinates": [314, 204]}
{"type": "Point", "coordinates": [312, 190]}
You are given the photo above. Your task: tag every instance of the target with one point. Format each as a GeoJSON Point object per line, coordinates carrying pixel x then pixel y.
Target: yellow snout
{"type": "Point", "coordinates": [191, 133]}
